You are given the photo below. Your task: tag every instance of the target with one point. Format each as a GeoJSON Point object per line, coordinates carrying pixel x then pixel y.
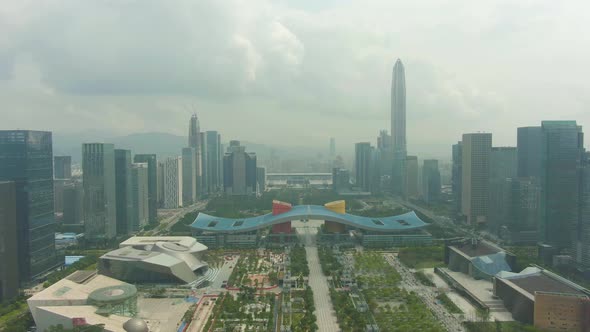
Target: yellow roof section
{"type": "Point", "coordinates": [336, 206]}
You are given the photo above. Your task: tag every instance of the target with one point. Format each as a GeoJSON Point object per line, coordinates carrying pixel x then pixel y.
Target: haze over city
{"type": "Point", "coordinates": [297, 71]}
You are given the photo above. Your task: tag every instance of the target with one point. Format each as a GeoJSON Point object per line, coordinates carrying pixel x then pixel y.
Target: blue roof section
{"type": "Point", "coordinates": [399, 223]}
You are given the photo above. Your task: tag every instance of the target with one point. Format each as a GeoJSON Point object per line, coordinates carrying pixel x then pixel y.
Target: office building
{"type": "Point", "coordinates": [123, 189]}
{"type": "Point", "coordinates": [194, 141]}
{"type": "Point", "coordinates": [139, 208]}
{"type": "Point", "coordinates": [476, 151]}
{"type": "Point", "coordinates": [340, 180]}
{"type": "Point", "coordinates": [239, 170]}
{"type": "Point", "coordinates": [529, 144]}
{"type": "Point", "coordinates": [412, 176]}
{"type": "Point", "coordinates": [430, 181]}
{"type": "Point", "coordinates": [9, 277]}
{"type": "Point", "coordinates": [562, 150]}
{"type": "Point", "coordinates": [26, 158]}
{"type": "Point", "coordinates": [582, 229]}
{"type": "Point", "coordinates": [189, 176]}
{"type": "Point", "coordinates": [172, 183]}
{"type": "Point", "coordinates": [398, 128]}
{"type": "Point", "coordinates": [62, 167]}
{"type": "Point", "coordinates": [58, 194]}
{"type": "Point", "coordinates": [152, 164]}
{"type": "Point", "coordinates": [503, 163]}
{"type": "Point", "coordinates": [73, 203]}
{"type": "Point", "coordinates": [98, 179]}
{"type": "Point", "coordinates": [211, 153]}
{"type": "Point", "coordinates": [503, 169]}
{"type": "Point", "coordinates": [261, 179]}
{"type": "Point", "coordinates": [457, 174]}
{"type": "Point", "coordinates": [362, 165]}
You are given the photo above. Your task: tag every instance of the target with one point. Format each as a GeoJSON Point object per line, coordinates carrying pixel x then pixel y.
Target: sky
{"type": "Point", "coordinates": [294, 73]}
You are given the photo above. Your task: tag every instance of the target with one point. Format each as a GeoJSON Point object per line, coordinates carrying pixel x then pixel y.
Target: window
{"type": "Point", "coordinates": [378, 222]}
{"type": "Point", "coordinates": [212, 224]}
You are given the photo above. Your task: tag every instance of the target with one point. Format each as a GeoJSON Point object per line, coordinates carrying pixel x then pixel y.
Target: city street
{"type": "Point", "coordinates": [428, 294]}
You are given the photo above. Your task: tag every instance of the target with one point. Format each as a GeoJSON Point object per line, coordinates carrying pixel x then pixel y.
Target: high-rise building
{"type": "Point", "coordinates": [62, 167]}
{"type": "Point", "coordinates": [239, 170]}
{"type": "Point", "coordinates": [261, 179]}
{"type": "Point", "coordinates": [211, 153]}
{"type": "Point", "coordinates": [529, 144]}
{"type": "Point", "coordinates": [73, 203]}
{"type": "Point", "coordinates": [123, 189]}
{"type": "Point", "coordinates": [430, 181]}
{"type": "Point", "coordinates": [412, 176]}
{"type": "Point", "coordinates": [189, 176]}
{"type": "Point", "coordinates": [384, 161]}
{"type": "Point", "coordinates": [476, 151]}
{"type": "Point", "coordinates": [172, 182]}
{"type": "Point", "coordinates": [503, 169]}
{"type": "Point", "coordinates": [526, 197]}
{"type": "Point", "coordinates": [398, 128]}
{"type": "Point", "coordinates": [152, 164]}
{"type": "Point", "coordinates": [160, 186]}
{"type": "Point", "coordinates": [362, 165]}
{"type": "Point", "coordinates": [503, 163]}
{"type": "Point", "coordinates": [100, 195]}
{"type": "Point", "coordinates": [562, 150]}
{"type": "Point", "coordinates": [9, 278]}
{"type": "Point", "coordinates": [26, 158]}
{"type": "Point", "coordinates": [139, 209]}
{"type": "Point", "coordinates": [194, 141]}
{"type": "Point", "coordinates": [340, 180]}
{"type": "Point", "coordinates": [582, 230]}
{"type": "Point", "coordinates": [58, 194]}
{"type": "Point", "coordinates": [457, 174]}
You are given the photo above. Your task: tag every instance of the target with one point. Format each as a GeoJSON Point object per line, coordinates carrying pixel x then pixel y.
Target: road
{"type": "Point", "coordinates": [173, 219]}
{"type": "Point", "coordinates": [325, 314]}
{"type": "Point", "coordinates": [428, 294]}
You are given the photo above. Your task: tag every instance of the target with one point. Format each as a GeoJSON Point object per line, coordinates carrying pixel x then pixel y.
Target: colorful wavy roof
{"type": "Point", "coordinates": [403, 222]}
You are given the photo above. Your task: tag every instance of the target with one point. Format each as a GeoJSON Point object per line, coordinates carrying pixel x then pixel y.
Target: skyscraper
{"type": "Point", "coordinates": [26, 158]}
{"type": "Point", "coordinates": [261, 179]}
{"type": "Point", "coordinates": [503, 163]}
{"type": "Point", "coordinates": [529, 144]}
{"type": "Point", "coordinates": [332, 147]}
{"type": "Point", "coordinates": [562, 150]}
{"type": "Point", "coordinates": [9, 278]}
{"type": "Point", "coordinates": [152, 165]}
{"type": "Point", "coordinates": [172, 182]}
{"type": "Point", "coordinates": [430, 181]}
{"type": "Point", "coordinates": [362, 165]}
{"type": "Point", "coordinates": [123, 189]}
{"type": "Point", "coordinates": [457, 174]}
{"type": "Point", "coordinates": [73, 204]}
{"type": "Point", "coordinates": [239, 170]}
{"type": "Point", "coordinates": [398, 128]}
{"type": "Point", "coordinates": [582, 229]}
{"type": "Point", "coordinates": [62, 167]}
{"type": "Point", "coordinates": [194, 141]}
{"type": "Point", "coordinates": [412, 176]}
{"type": "Point", "coordinates": [98, 178]}
{"type": "Point", "coordinates": [476, 150]}
{"type": "Point", "coordinates": [139, 207]}
{"type": "Point", "coordinates": [211, 161]}
{"type": "Point", "coordinates": [189, 175]}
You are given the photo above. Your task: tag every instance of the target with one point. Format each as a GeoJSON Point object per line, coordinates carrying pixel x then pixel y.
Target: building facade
{"type": "Point", "coordinates": [152, 164]}
{"type": "Point", "coordinates": [212, 164]}
{"type": "Point", "coordinates": [261, 179]}
{"type": "Point", "coordinates": [73, 203]}
{"type": "Point", "coordinates": [123, 189]}
{"type": "Point", "coordinates": [62, 167]}
{"type": "Point", "coordinates": [98, 178]}
{"type": "Point", "coordinates": [26, 158]}
{"type": "Point", "coordinates": [457, 174]}
{"type": "Point", "coordinates": [239, 171]}
{"type": "Point", "coordinates": [172, 182]}
{"type": "Point", "coordinates": [398, 128]}
{"type": "Point", "coordinates": [412, 176]}
{"type": "Point", "coordinates": [476, 151]}
{"type": "Point", "coordinates": [194, 141]}
{"type": "Point", "coordinates": [9, 277]}
{"type": "Point", "coordinates": [139, 209]}
{"type": "Point", "coordinates": [529, 144]}
{"type": "Point", "coordinates": [431, 183]}
{"type": "Point", "coordinates": [363, 165]}
{"type": "Point", "coordinates": [189, 175]}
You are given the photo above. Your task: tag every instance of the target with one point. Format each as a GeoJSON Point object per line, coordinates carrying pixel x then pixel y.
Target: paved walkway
{"type": "Point", "coordinates": [326, 317]}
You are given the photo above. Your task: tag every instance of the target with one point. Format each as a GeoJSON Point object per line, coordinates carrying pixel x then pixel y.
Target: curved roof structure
{"type": "Point", "coordinates": [399, 223]}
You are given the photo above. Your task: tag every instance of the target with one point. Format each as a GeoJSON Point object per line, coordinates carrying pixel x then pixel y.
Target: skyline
{"type": "Point", "coordinates": [279, 65]}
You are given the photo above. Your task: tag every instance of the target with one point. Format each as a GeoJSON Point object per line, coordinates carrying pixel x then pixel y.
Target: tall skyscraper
{"type": "Point", "coordinates": [189, 176]}
{"type": "Point", "coordinates": [62, 167]}
{"type": "Point", "coordinates": [26, 158]}
{"type": "Point", "coordinates": [362, 165]}
{"type": "Point", "coordinates": [172, 182]}
{"type": "Point", "coordinates": [123, 189]}
{"type": "Point", "coordinates": [384, 160]}
{"type": "Point", "coordinates": [152, 165]}
{"type": "Point", "coordinates": [239, 170]}
{"type": "Point", "coordinates": [261, 179]}
{"type": "Point", "coordinates": [9, 278]}
{"type": "Point", "coordinates": [139, 207]}
{"type": "Point", "coordinates": [562, 151]}
{"type": "Point", "coordinates": [582, 230]}
{"type": "Point", "coordinates": [398, 128]}
{"type": "Point", "coordinates": [503, 163]}
{"type": "Point", "coordinates": [529, 144]}
{"type": "Point", "coordinates": [212, 161]}
{"type": "Point", "coordinates": [73, 204]}
{"type": "Point", "coordinates": [476, 151]}
{"type": "Point", "coordinates": [430, 181]}
{"type": "Point", "coordinates": [332, 147]}
{"type": "Point", "coordinates": [340, 180]}
{"type": "Point", "coordinates": [412, 176]}
{"type": "Point", "coordinates": [457, 174]}
{"type": "Point", "coordinates": [98, 178]}
{"type": "Point", "coordinates": [194, 141]}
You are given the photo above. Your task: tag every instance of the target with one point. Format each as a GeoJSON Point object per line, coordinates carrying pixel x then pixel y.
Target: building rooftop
{"type": "Point", "coordinates": [534, 279]}
{"type": "Point", "coordinates": [479, 248]}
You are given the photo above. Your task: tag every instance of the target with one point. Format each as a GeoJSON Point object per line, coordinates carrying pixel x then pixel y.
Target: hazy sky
{"type": "Point", "coordinates": [294, 72]}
